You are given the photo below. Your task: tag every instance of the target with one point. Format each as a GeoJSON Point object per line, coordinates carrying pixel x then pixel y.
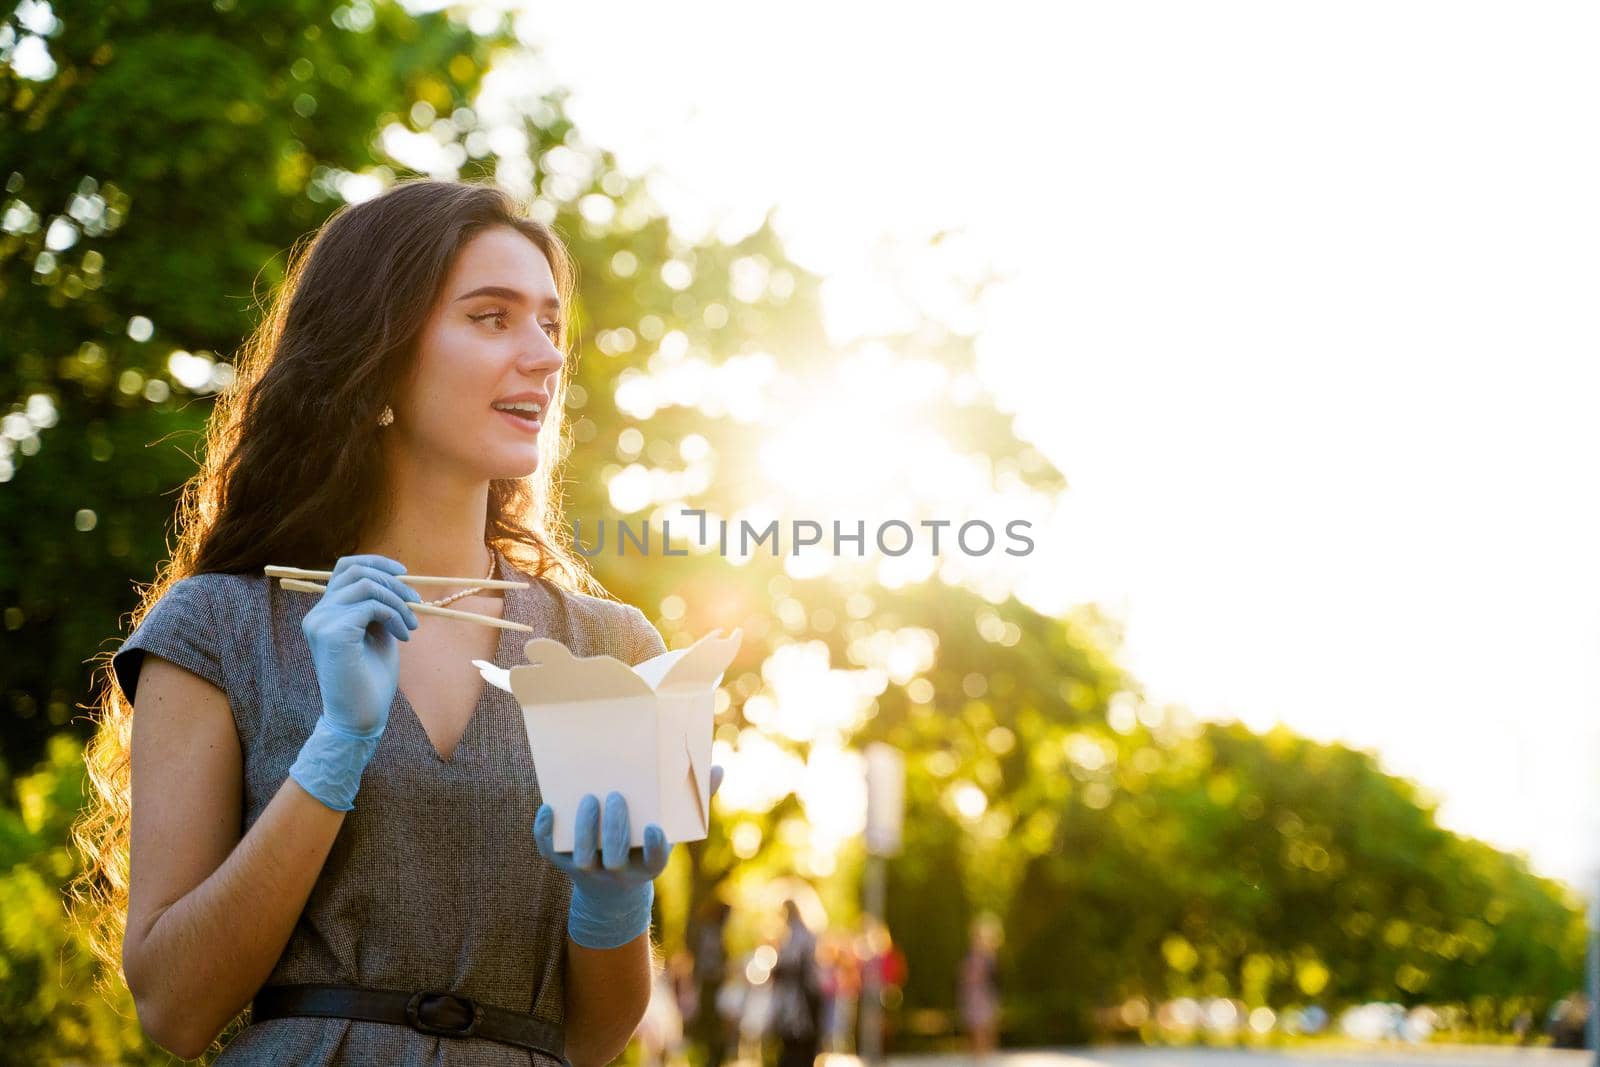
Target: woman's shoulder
{"type": "Point", "coordinates": [208, 598]}
{"type": "Point", "coordinates": [597, 625]}
{"type": "Point", "coordinates": [220, 598]}
{"type": "Point", "coordinates": [574, 602]}
{"type": "Point", "coordinates": [600, 621]}
{"type": "Point", "coordinates": [222, 583]}
{"type": "Point", "coordinates": [192, 623]}
{"type": "Point", "coordinates": [588, 606]}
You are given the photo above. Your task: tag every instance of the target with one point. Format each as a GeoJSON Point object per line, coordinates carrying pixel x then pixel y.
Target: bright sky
{"type": "Point", "coordinates": [1302, 301]}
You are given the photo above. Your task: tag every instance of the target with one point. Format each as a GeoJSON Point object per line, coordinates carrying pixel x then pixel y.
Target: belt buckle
{"type": "Point", "coordinates": [414, 1014]}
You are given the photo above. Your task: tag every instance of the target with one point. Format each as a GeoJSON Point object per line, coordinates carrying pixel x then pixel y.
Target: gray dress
{"type": "Point", "coordinates": [434, 881]}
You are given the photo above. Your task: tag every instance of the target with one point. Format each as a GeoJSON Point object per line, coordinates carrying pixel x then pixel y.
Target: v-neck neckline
{"type": "Point", "coordinates": [504, 651]}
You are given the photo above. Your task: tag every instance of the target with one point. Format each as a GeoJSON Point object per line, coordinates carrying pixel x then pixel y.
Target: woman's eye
{"type": "Point", "coordinates": [500, 316]}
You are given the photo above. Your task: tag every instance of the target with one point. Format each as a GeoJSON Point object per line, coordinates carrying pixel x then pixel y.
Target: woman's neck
{"type": "Point", "coordinates": [436, 524]}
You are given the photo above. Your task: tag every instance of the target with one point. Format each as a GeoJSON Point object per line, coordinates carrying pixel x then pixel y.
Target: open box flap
{"type": "Point", "coordinates": [553, 675]}
{"type": "Point", "coordinates": [655, 668]}
{"type": "Point", "coordinates": [702, 666]}
{"type": "Point", "coordinates": [499, 677]}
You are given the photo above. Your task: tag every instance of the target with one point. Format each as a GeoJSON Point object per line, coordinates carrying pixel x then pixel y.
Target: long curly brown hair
{"type": "Point", "coordinates": [292, 471]}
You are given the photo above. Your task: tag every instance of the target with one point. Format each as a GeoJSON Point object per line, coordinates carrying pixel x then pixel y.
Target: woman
{"type": "Point", "coordinates": [319, 789]}
{"type": "Point", "coordinates": [709, 1024]}
{"type": "Point", "coordinates": [796, 992]}
{"type": "Point", "coordinates": [978, 990]}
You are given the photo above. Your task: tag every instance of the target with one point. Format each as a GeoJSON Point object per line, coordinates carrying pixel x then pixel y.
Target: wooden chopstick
{"type": "Point", "coordinates": [421, 609]}
{"type": "Point", "coordinates": [276, 571]}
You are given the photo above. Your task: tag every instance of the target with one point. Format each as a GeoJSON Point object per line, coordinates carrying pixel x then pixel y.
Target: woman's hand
{"type": "Point", "coordinates": [610, 899]}
{"type": "Point", "coordinates": [353, 631]}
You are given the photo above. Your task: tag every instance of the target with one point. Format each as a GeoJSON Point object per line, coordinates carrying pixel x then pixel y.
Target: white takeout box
{"type": "Point", "coordinates": [596, 724]}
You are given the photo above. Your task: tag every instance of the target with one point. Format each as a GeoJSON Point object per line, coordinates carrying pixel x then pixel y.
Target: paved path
{"type": "Point", "coordinates": [1420, 1056]}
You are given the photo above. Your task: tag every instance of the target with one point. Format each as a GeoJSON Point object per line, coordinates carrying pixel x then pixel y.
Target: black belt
{"type": "Point", "coordinates": [431, 1012]}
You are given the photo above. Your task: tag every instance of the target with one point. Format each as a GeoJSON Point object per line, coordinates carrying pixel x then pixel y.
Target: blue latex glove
{"type": "Point", "coordinates": [610, 899]}
{"type": "Point", "coordinates": [353, 631]}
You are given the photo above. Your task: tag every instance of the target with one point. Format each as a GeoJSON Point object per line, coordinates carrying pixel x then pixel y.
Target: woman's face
{"type": "Point", "coordinates": [486, 358]}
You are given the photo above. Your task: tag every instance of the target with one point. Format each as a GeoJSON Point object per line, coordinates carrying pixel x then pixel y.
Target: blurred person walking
{"type": "Point", "coordinates": [977, 986]}
{"type": "Point", "coordinates": [883, 970]}
{"type": "Point", "coordinates": [841, 991]}
{"type": "Point", "coordinates": [796, 992]}
{"type": "Point", "coordinates": [710, 1024]}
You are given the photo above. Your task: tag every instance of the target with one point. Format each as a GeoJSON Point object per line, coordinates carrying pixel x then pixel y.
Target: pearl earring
{"type": "Point", "coordinates": [387, 418]}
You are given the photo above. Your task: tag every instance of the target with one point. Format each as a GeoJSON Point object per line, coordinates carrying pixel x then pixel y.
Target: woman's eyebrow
{"type": "Point", "coordinates": [514, 295]}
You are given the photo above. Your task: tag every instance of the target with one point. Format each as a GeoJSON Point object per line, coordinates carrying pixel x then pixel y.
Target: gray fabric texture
{"type": "Point", "coordinates": [434, 881]}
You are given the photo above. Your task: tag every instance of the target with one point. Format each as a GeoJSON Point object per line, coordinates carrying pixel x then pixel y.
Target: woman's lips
{"type": "Point", "coordinates": [528, 423]}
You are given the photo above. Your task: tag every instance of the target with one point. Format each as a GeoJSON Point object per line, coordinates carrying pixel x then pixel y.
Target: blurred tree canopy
{"type": "Point", "coordinates": [1211, 861]}
{"type": "Point", "coordinates": [159, 160]}
{"type": "Point", "coordinates": [152, 185]}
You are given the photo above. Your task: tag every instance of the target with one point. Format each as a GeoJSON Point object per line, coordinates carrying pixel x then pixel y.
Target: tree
{"type": "Point", "coordinates": [1212, 861]}
{"type": "Point", "coordinates": [153, 180]}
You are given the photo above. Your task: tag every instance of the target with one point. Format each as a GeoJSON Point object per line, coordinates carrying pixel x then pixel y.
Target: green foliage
{"type": "Point", "coordinates": [175, 154]}
{"type": "Point", "coordinates": [47, 974]}
{"type": "Point", "coordinates": [1219, 862]}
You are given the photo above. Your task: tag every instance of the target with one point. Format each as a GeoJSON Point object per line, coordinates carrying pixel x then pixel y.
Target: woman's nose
{"type": "Point", "coordinates": [541, 354]}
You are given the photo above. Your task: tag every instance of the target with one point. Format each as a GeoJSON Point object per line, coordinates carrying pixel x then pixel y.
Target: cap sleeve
{"type": "Point", "coordinates": [180, 628]}
{"type": "Point", "coordinates": [644, 641]}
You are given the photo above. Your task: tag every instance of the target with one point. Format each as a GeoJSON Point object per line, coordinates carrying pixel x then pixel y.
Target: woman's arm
{"type": "Point", "coordinates": [208, 913]}
{"type": "Point", "coordinates": [607, 992]}
{"type": "Point", "coordinates": [613, 888]}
